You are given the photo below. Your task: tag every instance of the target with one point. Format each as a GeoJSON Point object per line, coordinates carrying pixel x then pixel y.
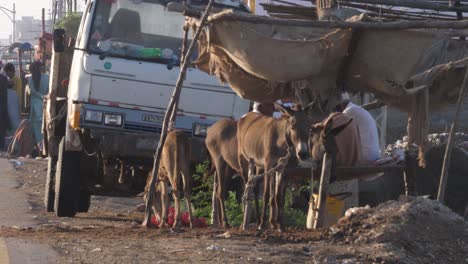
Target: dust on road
{"type": "Point", "coordinates": [111, 233]}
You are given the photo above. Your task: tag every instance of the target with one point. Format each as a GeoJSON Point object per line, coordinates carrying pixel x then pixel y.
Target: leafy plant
{"type": "Point", "coordinates": [70, 24]}
{"type": "Point", "coordinates": [233, 210]}
{"type": "Point", "coordinates": [202, 192]}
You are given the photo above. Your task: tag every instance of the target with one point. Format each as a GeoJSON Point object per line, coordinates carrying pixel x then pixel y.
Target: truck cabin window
{"type": "Point", "coordinates": [137, 29]}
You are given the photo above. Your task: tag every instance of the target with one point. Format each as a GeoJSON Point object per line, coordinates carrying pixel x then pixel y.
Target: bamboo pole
{"type": "Point", "coordinates": [172, 103]}
{"type": "Point", "coordinates": [183, 58]}
{"type": "Point", "coordinates": [230, 15]}
{"type": "Point", "coordinates": [215, 221]}
{"type": "Point", "coordinates": [311, 212]}
{"type": "Point", "coordinates": [248, 193]}
{"type": "Point", "coordinates": [405, 14]}
{"type": "Point", "coordinates": [323, 191]}
{"type": "Point", "coordinates": [448, 150]}
{"type": "Point", "coordinates": [414, 4]}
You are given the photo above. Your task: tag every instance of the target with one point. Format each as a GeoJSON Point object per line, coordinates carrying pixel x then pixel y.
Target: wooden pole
{"type": "Point", "coordinates": [448, 150]}
{"type": "Point", "coordinates": [311, 212]}
{"type": "Point", "coordinates": [248, 193]}
{"type": "Point", "coordinates": [215, 221]}
{"type": "Point", "coordinates": [230, 15]}
{"type": "Point", "coordinates": [323, 191]}
{"type": "Point", "coordinates": [172, 103]}
{"type": "Point", "coordinates": [183, 58]}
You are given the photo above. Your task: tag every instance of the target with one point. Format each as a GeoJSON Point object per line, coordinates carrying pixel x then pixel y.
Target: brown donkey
{"type": "Point", "coordinates": [174, 167]}
{"type": "Point", "coordinates": [264, 141]}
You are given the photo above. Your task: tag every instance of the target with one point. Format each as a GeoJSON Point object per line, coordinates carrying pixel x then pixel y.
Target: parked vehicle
{"type": "Point", "coordinates": [124, 68]}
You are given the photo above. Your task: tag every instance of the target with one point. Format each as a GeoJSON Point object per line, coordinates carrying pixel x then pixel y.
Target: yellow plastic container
{"type": "Point", "coordinates": [335, 209]}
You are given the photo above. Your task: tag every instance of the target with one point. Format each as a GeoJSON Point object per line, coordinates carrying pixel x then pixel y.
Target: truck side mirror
{"type": "Point", "coordinates": [59, 40]}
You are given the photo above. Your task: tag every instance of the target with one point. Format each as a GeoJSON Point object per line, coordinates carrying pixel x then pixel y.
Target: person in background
{"type": "Point", "coordinates": [14, 93]}
{"type": "Point", "coordinates": [38, 87]}
{"type": "Point", "coordinates": [3, 110]}
{"type": "Point", "coordinates": [264, 108]}
{"type": "Point", "coordinates": [370, 147]}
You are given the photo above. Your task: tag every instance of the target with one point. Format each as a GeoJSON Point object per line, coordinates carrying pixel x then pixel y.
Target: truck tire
{"type": "Point", "coordinates": [84, 201]}
{"type": "Point", "coordinates": [67, 182]}
{"type": "Point", "coordinates": [49, 193]}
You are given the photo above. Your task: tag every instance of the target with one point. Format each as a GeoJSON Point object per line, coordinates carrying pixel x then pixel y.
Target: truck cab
{"type": "Point", "coordinates": [125, 65]}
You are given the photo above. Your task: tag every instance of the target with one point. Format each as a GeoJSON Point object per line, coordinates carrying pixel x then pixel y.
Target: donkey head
{"type": "Point", "coordinates": [323, 137]}
{"type": "Point", "coordinates": [297, 129]}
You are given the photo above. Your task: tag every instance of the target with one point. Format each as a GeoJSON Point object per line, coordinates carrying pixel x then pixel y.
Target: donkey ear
{"type": "Point", "coordinates": [339, 129]}
{"type": "Point", "coordinates": [328, 127]}
{"type": "Point", "coordinates": [283, 109]}
{"type": "Point", "coordinates": [316, 128]}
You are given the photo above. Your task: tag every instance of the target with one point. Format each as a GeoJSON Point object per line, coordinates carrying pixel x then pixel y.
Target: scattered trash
{"type": "Point", "coordinates": [184, 219]}
{"type": "Point", "coordinates": [16, 163]}
{"type": "Point", "coordinates": [96, 250]}
{"type": "Point", "coordinates": [212, 247]}
{"type": "Point", "coordinates": [141, 207]}
{"type": "Point", "coordinates": [134, 223]}
{"type": "Point", "coordinates": [226, 234]}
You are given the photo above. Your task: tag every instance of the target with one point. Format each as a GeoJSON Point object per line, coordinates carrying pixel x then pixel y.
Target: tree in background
{"type": "Point", "coordinates": [70, 24]}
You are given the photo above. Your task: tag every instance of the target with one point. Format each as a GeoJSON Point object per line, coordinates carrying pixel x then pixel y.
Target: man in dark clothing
{"type": "Point", "coordinates": [4, 122]}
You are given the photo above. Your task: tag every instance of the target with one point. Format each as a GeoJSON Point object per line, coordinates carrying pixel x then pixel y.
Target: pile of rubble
{"type": "Point", "coordinates": [410, 230]}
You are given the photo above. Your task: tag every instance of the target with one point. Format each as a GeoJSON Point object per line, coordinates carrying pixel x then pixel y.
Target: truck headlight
{"type": "Point", "coordinates": [113, 119]}
{"type": "Point", "coordinates": [199, 130]}
{"type": "Point", "coordinates": [93, 116]}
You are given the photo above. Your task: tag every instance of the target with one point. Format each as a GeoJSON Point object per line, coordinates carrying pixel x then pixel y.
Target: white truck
{"type": "Point", "coordinates": [125, 65]}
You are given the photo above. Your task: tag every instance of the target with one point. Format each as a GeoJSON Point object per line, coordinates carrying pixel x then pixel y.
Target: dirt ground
{"type": "Point", "coordinates": [111, 233]}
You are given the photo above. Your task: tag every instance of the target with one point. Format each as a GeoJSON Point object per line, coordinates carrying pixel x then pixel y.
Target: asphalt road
{"type": "Point", "coordinates": [15, 212]}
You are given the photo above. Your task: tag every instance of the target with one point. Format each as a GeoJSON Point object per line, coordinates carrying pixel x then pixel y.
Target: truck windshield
{"type": "Point", "coordinates": [136, 29]}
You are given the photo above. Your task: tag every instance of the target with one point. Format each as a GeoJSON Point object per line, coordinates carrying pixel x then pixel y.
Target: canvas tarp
{"type": "Point", "coordinates": [266, 62]}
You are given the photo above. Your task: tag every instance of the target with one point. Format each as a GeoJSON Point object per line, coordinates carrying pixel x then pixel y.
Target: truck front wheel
{"type": "Point", "coordinates": [67, 182]}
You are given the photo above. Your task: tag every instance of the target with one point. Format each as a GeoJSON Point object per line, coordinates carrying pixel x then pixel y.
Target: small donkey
{"type": "Point", "coordinates": [323, 140]}
{"type": "Point", "coordinates": [175, 166]}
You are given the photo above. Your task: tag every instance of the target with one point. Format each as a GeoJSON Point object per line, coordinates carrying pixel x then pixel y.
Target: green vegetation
{"type": "Point", "coordinates": [203, 190]}
{"type": "Point", "coordinates": [70, 24]}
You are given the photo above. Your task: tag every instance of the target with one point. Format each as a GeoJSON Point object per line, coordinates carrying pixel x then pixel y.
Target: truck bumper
{"type": "Point", "coordinates": [139, 145]}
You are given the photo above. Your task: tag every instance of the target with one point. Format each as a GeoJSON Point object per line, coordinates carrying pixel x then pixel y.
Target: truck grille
{"type": "Point", "coordinates": [144, 128]}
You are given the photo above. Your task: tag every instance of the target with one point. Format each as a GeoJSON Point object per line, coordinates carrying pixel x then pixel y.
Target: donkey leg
{"type": "Point", "coordinates": [164, 204]}
{"type": "Point", "coordinates": [187, 185]}
{"type": "Point", "coordinates": [222, 172]}
{"type": "Point", "coordinates": [266, 194]}
{"type": "Point", "coordinates": [279, 198]}
{"type": "Point", "coordinates": [175, 195]}
{"type": "Point", "coordinates": [273, 205]}
{"type": "Point", "coordinates": [257, 207]}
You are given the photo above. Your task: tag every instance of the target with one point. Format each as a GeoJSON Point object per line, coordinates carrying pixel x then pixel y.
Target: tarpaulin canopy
{"type": "Point", "coordinates": [266, 62]}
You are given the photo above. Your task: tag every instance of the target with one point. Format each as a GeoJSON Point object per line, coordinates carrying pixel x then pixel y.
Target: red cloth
{"type": "Point", "coordinates": [184, 219]}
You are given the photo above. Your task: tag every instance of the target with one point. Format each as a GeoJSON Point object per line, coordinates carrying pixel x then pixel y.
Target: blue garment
{"type": "Point", "coordinates": [3, 109]}
{"type": "Point", "coordinates": [35, 114]}
{"type": "Point", "coordinates": [13, 110]}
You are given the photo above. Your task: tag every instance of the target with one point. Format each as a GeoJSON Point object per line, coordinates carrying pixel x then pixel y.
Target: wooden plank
{"type": "Point", "coordinates": [344, 173]}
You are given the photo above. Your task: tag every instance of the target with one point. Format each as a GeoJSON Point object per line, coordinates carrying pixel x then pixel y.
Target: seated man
{"type": "Point", "coordinates": [367, 127]}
